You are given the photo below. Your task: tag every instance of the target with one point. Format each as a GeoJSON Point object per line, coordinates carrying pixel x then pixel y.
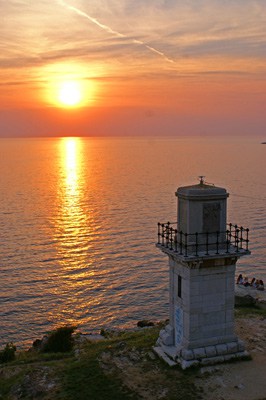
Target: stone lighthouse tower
{"type": "Point", "coordinates": [202, 250]}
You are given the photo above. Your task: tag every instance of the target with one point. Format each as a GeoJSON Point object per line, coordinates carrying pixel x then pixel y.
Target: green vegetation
{"type": "Point", "coordinates": [59, 341]}
{"type": "Point", "coordinates": [8, 354]}
{"type": "Point", "coordinates": [7, 383]}
{"type": "Point", "coordinates": [122, 366]}
{"type": "Point", "coordinates": [244, 311]}
{"type": "Point", "coordinates": [98, 378]}
{"type": "Point", "coordinates": [86, 377]}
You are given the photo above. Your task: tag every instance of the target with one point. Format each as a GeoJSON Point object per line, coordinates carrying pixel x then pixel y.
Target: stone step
{"type": "Point", "coordinates": [170, 351]}
{"type": "Point", "coordinates": [169, 329]}
{"type": "Point", "coordinates": [159, 351]}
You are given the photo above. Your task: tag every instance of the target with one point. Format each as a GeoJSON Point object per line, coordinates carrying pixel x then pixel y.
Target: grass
{"type": "Point", "coordinates": [150, 375]}
{"type": "Point", "coordinates": [250, 311]}
{"type": "Point", "coordinates": [8, 383]}
{"type": "Point", "coordinates": [83, 377]}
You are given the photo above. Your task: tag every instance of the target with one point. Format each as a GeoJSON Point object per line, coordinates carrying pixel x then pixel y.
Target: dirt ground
{"type": "Point", "coordinates": [242, 380]}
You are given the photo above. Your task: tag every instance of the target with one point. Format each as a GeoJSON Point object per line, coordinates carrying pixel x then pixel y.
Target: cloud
{"type": "Point", "coordinates": [108, 29]}
{"type": "Point", "coordinates": [130, 32]}
{"type": "Point", "coordinates": [129, 40]}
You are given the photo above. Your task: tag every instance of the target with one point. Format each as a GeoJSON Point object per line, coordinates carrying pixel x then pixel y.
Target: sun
{"type": "Point", "coordinates": [69, 86]}
{"type": "Point", "coordinates": [70, 93]}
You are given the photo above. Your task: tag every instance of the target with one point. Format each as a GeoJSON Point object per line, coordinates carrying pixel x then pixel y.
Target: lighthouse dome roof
{"type": "Point", "coordinates": [202, 191]}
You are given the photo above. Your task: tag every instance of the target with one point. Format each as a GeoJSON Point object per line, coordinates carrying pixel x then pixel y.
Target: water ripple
{"type": "Point", "coordinates": [78, 246]}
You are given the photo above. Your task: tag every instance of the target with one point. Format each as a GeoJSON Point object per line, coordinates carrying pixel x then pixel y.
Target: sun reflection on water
{"type": "Point", "coordinates": [74, 223]}
{"type": "Point", "coordinates": [73, 234]}
{"type": "Point", "coordinates": [71, 147]}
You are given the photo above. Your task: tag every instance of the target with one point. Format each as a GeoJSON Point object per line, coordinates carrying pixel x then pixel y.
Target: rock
{"type": "Point", "coordinates": [111, 333]}
{"type": "Point", "coordinates": [245, 296]}
{"type": "Point", "coordinates": [246, 300]}
{"type": "Point", "coordinates": [240, 386]}
{"type": "Point", "coordinates": [210, 370]}
{"type": "Point", "coordinates": [106, 357]}
{"type": "Point", "coordinates": [151, 355]}
{"type": "Point", "coordinates": [35, 384]}
{"type": "Point", "coordinates": [249, 296]}
{"type": "Point", "coordinates": [121, 345]}
{"type": "Point", "coordinates": [134, 356]}
{"type": "Point", "coordinates": [90, 337]}
{"type": "Point", "coordinates": [143, 323]}
{"type": "Point", "coordinates": [38, 344]}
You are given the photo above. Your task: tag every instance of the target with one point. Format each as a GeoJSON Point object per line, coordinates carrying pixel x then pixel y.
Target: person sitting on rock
{"type": "Point", "coordinates": [261, 285]}
{"type": "Point", "coordinates": [240, 280]}
{"type": "Point", "coordinates": [253, 282]}
{"type": "Point", "coordinates": [246, 282]}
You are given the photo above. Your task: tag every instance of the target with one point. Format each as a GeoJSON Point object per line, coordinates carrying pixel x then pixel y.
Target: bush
{"type": "Point", "coordinates": [60, 340]}
{"type": "Point", "coordinates": [8, 354]}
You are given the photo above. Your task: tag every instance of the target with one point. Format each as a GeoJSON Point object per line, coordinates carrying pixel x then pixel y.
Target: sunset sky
{"type": "Point", "coordinates": [149, 67]}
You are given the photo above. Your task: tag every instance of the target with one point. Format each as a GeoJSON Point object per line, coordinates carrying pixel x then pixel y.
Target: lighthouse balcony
{"type": "Point", "coordinates": [232, 242]}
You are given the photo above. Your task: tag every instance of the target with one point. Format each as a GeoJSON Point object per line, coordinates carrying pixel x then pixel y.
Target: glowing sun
{"type": "Point", "coordinates": [69, 85]}
{"type": "Point", "coordinates": [70, 93]}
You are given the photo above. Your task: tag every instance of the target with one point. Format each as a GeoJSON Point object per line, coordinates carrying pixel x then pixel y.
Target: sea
{"type": "Point", "coordinates": [78, 225]}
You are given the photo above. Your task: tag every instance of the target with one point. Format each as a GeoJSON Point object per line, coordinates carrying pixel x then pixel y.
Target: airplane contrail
{"type": "Point", "coordinates": [110, 30]}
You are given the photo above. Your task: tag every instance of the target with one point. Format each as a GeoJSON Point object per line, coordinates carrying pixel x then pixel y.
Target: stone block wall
{"type": "Point", "coordinates": [206, 301]}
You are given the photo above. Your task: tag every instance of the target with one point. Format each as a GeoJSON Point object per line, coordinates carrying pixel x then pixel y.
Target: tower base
{"type": "Point", "coordinates": [199, 356]}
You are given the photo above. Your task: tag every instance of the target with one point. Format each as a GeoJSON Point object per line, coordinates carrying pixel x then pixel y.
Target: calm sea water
{"type": "Point", "coordinates": [78, 224]}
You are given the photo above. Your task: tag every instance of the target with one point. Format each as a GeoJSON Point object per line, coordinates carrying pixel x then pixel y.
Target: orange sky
{"type": "Point", "coordinates": [145, 67]}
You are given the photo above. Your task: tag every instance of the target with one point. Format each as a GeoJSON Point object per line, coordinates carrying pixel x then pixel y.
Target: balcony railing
{"type": "Point", "coordinates": [234, 240]}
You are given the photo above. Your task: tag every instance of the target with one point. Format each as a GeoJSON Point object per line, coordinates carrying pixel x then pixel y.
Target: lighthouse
{"type": "Point", "coordinates": [203, 250]}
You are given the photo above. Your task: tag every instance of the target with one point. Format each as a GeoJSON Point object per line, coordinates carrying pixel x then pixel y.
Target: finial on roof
{"type": "Point", "coordinates": [201, 178]}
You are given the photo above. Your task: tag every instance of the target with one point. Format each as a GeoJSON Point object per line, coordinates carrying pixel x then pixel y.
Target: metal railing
{"type": "Point", "coordinates": [234, 240]}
